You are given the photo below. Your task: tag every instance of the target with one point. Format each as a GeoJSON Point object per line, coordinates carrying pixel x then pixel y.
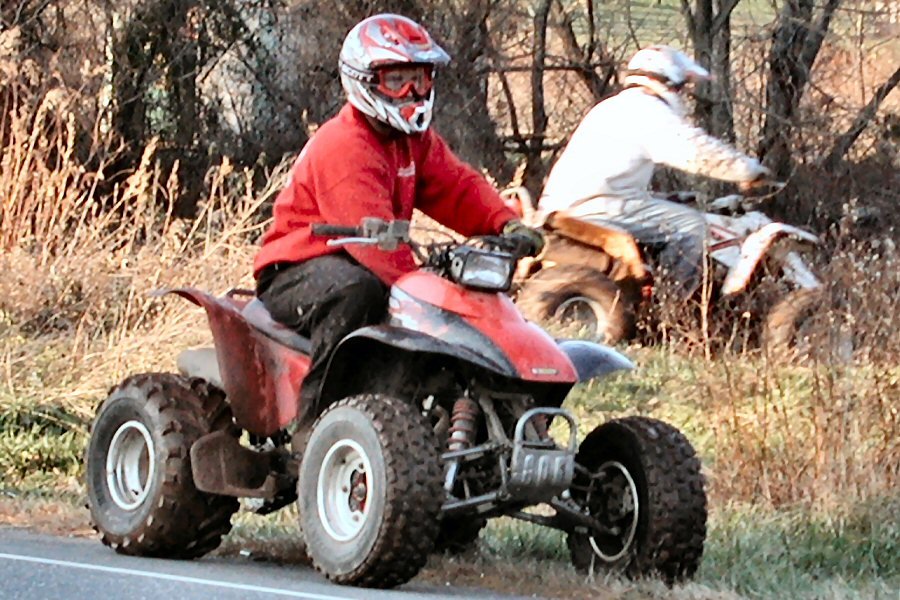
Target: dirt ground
{"type": "Point", "coordinates": [68, 518]}
{"type": "Point", "coordinates": [46, 516]}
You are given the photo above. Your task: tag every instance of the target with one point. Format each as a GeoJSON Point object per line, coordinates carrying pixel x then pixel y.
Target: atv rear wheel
{"type": "Point", "coordinates": [578, 296]}
{"type": "Point", "coordinates": [370, 491]}
{"type": "Point", "coordinates": [641, 480]}
{"type": "Point", "coordinates": [141, 492]}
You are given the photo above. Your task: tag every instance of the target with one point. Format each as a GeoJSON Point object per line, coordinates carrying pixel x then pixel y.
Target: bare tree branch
{"type": "Point", "coordinates": [865, 115]}
{"type": "Point", "coordinates": [581, 63]}
{"type": "Point", "coordinates": [813, 43]}
{"type": "Point", "coordinates": [688, 17]}
{"type": "Point", "coordinates": [722, 16]}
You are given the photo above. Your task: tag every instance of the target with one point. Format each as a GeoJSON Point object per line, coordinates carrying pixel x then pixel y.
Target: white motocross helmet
{"type": "Point", "coordinates": [665, 65]}
{"type": "Point", "coordinates": [387, 40]}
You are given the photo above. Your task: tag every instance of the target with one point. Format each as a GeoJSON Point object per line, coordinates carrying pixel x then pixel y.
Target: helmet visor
{"type": "Point", "coordinates": [402, 81]}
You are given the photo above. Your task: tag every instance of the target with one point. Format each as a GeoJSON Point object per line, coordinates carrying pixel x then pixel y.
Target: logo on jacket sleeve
{"type": "Point", "coordinates": [407, 171]}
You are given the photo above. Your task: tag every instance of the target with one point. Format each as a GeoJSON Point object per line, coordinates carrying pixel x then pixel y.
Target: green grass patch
{"type": "Point", "coordinates": [41, 444]}
{"type": "Point", "coordinates": [846, 552]}
{"type": "Point", "coordinates": [35, 459]}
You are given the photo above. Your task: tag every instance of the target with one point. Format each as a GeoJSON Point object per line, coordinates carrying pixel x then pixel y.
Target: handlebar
{"type": "Point", "coordinates": [764, 184]}
{"type": "Point", "coordinates": [446, 258]}
{"type": "Point", "coordinates": [326, 230]}
{"type": "Point", "coordinates": [372, 231]}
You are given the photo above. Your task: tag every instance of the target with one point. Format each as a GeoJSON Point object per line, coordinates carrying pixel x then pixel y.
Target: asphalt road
{"type": "Point", "coordinates": [43, 567]}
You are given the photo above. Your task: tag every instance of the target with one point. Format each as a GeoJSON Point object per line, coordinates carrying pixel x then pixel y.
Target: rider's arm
{"type": "Point", "coordinates": [672, 141]}
{"type": "Point", "coordinates": [456, 195]}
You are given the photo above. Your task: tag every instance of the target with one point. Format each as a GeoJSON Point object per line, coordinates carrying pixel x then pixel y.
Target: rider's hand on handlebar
{"type": "Point", "coordinates": [531, 240]}
{"type": "Point", "coordinates": [763, 180]}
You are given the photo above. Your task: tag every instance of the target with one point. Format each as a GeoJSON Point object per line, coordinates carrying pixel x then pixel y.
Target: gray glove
{"type": "Point", "coordinates": [531, 240]}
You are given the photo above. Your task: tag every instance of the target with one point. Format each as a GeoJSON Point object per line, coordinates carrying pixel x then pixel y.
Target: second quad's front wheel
{"type": "Point", "coordinates": [640, 479]}
{"type": "Point", "coordinates": [581, 297]}
{"type": "Point", "coordinates": [370, 491]}
{"type": "Point", "coordinates": [802, 326]}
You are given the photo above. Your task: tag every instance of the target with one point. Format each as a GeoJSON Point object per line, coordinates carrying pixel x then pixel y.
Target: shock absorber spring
{"type": "Point", "coordinates": [463, 424]}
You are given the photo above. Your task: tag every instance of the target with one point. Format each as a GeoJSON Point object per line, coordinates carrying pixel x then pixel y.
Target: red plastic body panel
{"type": "Point", "coordinates": [531, 351]}
{"type": "Point", "coordinates": [261, 377]}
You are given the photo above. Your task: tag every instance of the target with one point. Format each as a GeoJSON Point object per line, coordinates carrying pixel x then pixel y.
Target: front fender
{"type": "Point", "coordinates": [754, 248]}
{"type": "Point", "coordinates": [594, 360]}
{"type": "Point", "coordinates": [417, 342]}
{"type": "Point", "coordinates": [376, 360]}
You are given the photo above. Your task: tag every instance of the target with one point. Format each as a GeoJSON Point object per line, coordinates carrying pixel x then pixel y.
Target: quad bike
{"type": "Point", "coordinates": [596, 275]}
{"type": "Point", "coordinates": [443, 416]}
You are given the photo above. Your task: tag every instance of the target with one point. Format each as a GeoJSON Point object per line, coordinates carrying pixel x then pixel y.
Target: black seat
{"type": "Point", "coordinates": [256, 313]}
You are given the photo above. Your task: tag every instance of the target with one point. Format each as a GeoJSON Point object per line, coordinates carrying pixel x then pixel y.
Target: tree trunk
{"type": "Point", "coordinates": [795, 46]}
{"type": "Point", "coordinates": [582, 56]}
{"type": "Point", "coordinates": [710, 32]}
{"type": "Point", "coordinates": [534, 164]}
{"type": "Point", "coordinates": [462, 94]}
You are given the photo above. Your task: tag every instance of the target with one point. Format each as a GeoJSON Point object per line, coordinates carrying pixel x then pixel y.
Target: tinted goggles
{"type": "Point", "coordinates": [401, 81]}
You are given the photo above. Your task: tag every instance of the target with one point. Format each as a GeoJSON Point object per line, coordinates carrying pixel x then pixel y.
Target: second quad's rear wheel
{"type": "Point", "coordinates": [370, 491]}
{"type": "Point", "coordinates": [141, 491]}
{"type": "Point", "coordinates": [581, 297]}
{"type": "Point", "coordinates": [640, 478]}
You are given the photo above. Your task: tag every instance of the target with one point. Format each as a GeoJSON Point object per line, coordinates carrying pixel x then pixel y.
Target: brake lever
{"type": "Point", "coordinates": [365, 241]}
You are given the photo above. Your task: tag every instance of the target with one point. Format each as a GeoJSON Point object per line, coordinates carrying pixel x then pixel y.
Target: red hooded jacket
{"type": "Point", "coordinates": [348, 171]}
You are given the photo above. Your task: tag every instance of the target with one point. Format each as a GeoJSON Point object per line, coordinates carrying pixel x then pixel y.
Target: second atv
{"type": "Point", "coordinates": [597, 276]}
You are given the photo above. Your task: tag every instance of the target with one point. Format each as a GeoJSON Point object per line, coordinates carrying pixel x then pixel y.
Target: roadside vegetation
{"type": "Point", "coordinates": [802, 457]}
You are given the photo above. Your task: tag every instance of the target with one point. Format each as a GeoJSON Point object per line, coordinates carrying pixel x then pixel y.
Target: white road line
{"type": "Point", "coordinates": [179, 578]}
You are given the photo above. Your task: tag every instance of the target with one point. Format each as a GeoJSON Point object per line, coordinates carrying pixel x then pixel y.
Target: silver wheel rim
{"type": "Point", "coordinates": [344, 490]}
{"type": "Point", "coordinates": [130, 465]}
{"type": "Point", "coordinates": [627, 502]}
{"type": "Point", "coordinates": [583, 311]}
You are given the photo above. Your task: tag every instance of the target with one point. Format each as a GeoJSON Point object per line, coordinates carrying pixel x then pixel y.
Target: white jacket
{"type": "Point", "coordinates": [614, 149]}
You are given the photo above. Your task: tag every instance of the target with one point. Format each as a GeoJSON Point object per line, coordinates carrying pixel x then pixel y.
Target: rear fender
{"type": "Point", "coordinates": [604, 235]}
{"type": "Point", "coordinates": [755, 246]}
{"type": "Point", "coordinates": [260, 377]}
{"type": "Point", "coordinates": [593, 360]}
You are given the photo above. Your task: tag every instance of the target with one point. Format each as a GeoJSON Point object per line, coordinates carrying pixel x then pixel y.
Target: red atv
{"type": "Point", "coordinates": [446, 414]}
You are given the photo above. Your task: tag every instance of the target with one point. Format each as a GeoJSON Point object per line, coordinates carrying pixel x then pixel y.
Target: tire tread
{"type": "Point", "coordinates": [185, 523]}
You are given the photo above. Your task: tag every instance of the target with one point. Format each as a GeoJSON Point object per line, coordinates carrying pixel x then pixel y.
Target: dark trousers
{"type": "Point", "coordinates": [324, 298]}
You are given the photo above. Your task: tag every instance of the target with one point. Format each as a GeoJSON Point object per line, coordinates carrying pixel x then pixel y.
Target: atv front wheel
{"type": "Point", "coordinates": [640, 478]}
{"type": "Point", "coordinates": [581, 297]}
{"type": "Point", "coordinates": [795, 328]}
{"type": "Point", "coordinates": [370, 491]}
{"type": "Point", "coordinates": [141, 492]}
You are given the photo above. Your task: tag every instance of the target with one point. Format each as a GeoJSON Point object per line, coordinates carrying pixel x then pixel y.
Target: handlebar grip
{"type": "Point", "coordinates": [326, 230]}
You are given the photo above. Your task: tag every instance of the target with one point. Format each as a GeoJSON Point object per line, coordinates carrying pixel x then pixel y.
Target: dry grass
{"type": "Point", "coordinates": [75, 318]}
{"type": "Point", "coordinates": [52, 516]}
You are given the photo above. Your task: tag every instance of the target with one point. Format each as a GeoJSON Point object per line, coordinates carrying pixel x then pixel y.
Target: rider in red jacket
{"type": "Point", "coordinates": [350, 170]}
{"type": "Point", "coordinates": [376, 158]}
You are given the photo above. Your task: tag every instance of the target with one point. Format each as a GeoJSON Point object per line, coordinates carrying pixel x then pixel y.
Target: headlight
{"type": "Point", "coordinates": [481, 269]}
